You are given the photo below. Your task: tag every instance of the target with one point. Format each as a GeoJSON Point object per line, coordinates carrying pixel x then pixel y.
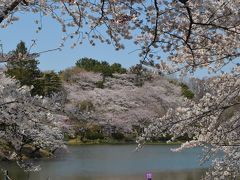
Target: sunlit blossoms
{"type": "Point", "coordinates": [27, 120]}
{"type": "Point", "coordinates": [192, 34]}
{"type": "Point", "coordinates": [212, 123]}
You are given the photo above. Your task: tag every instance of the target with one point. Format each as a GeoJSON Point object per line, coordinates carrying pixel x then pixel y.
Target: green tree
{"type": "Point", "coordinates": [89, 64]}
{"type": "Point", "coordinates": [106, 70]}
{"type": "Point", "coordinates": [25, 71]}
{"type": "Point", "coordinates": [48, 84]}
{"type": "Point", "coordinates": [103, 67]}
{"type": "Point", "coordinates": [21, 49]}
{"type": "Point", "coordinates": [117, 68]}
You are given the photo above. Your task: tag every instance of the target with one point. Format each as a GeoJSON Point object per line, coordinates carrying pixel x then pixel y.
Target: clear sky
{"type": "Point", "coordinates": [50, 38]}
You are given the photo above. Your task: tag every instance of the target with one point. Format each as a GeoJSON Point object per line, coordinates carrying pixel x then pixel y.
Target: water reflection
{"type": "Point", "coordinates": [116, 163]}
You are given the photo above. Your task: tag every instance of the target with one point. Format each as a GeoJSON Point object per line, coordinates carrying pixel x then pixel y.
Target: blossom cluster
{"type": "Point", "coordinates": [27, 120]}
{"type": "Point", "coordinates": [211, 123]}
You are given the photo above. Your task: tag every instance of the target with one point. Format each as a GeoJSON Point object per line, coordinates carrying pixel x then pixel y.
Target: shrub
{"type": "Point", "coordinates": [94, 132]}
{"type": "Point", "coordinates": [86, 105]}
{"type": "Point", "coordinates": [130, 138]}
{"type": "Point", "coordinates": [100, 84]}
{"type": "Point", "coordinates": [106, 71]}
{"type": "Point", "coordinates": [93, 135]}
{"type": "Point", "coordinates": [118, 136]}
{"type": "Point", "coordinates": [117, 68]}
{"type": "Point", "coordinates": [186, 92]}
{"type": "Point", "coordinates": [48, 84]}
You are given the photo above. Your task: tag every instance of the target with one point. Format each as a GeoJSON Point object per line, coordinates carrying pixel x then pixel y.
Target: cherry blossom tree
{"type": "Point", "coordinates": [27, 120]}
{"type": "Point", "coordinates": [192, 34]}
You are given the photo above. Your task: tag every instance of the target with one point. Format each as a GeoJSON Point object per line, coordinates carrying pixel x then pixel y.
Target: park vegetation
{"type": "Point", "coordinates": [28, 74]}
{"type": "Point", "coordinates": [192, 35]}
{"type": "Point", "coordinates": [102, 67]}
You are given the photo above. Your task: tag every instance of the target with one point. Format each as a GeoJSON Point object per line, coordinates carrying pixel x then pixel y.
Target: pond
{"type": "Point", "coordinates": [116, 162]}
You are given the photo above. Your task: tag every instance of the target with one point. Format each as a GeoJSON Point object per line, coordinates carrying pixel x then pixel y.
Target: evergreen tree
{"type": "Point", "coordinates": [25, 71]}
{"type": "Point", "coordinates": [21, 49]}
{"type": "Point", "coordinates": [117, 68]}
{"type": "Point", "coordinates": [48, 84]}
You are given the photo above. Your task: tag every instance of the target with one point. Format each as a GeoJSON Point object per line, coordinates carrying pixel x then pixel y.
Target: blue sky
{"type": "Point", "coordinates": [50, 38]}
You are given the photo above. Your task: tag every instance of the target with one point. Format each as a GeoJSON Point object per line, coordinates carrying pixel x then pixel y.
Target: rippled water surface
{"type": "Point", "coordinates": [116, 162]}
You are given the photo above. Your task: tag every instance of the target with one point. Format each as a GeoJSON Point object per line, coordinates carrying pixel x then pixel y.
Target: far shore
{"type": "Point", "coordinates": [98, 142]}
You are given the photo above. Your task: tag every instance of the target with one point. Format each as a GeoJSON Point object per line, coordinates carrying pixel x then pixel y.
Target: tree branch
{"type": "Point", "coordinates": [8, 9]}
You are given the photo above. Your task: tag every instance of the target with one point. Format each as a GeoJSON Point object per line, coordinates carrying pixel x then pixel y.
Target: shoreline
{"type": "Point", "coordinates": [74, 142]}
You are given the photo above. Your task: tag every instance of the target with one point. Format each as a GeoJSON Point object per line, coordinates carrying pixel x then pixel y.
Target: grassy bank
{"type": "Point", "coordinates": [77, 141]}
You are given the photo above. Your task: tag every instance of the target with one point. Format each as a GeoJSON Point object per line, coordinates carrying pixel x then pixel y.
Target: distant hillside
{"type": "Point", "coordinates": [120, 102]}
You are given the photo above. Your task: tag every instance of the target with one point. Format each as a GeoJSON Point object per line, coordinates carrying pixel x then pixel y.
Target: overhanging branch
{"type": "Point", "coordinates": [9, 8]}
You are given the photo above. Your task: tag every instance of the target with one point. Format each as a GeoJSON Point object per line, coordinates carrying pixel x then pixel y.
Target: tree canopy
{"type": "Point", "coordinates": [192, 34]}
{"type": "Point", "coordinates": [102, 67]}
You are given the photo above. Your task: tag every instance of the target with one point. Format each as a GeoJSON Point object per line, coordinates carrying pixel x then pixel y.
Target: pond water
{"type": "Point", "coordinates": [116, 162]}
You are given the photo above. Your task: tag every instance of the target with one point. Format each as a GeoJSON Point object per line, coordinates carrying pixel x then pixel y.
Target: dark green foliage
{"type": "Point", "coordinates": [130, 138]}
{"type": "Point", "coordinates": [169, 137]}
{"type": "Point", "coordinates": [103, 67]}
{"type": "Point", "coordinates": [161, 138]}
{"type": "Point", "coordinates": [137, 129]}
{"type": "Point", "coordinates": [100, 84]}
{"type": "Point", "coordinates": [93, 134]}
{"type": "Point", "coordinates": [27, 73]}
{"type": "Point", "coordinates": [118, 136]}
{"type": "Point", "coordinates": [21, 49]}
{"type": "Point", "coordinates": [106, 70]}
{"type": "Point", "coordinates": [89, 64]}
{"type": "Point", "coordinates": [86, 105]}
{"type": "Point", "coordinates": [66, 137]}
{"type": "Point", "coordinates": [48, 84]}
{"type": "Point", "coordinates": [186, 92]}
{"type": "Point", "coordinates": [117, 68]}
